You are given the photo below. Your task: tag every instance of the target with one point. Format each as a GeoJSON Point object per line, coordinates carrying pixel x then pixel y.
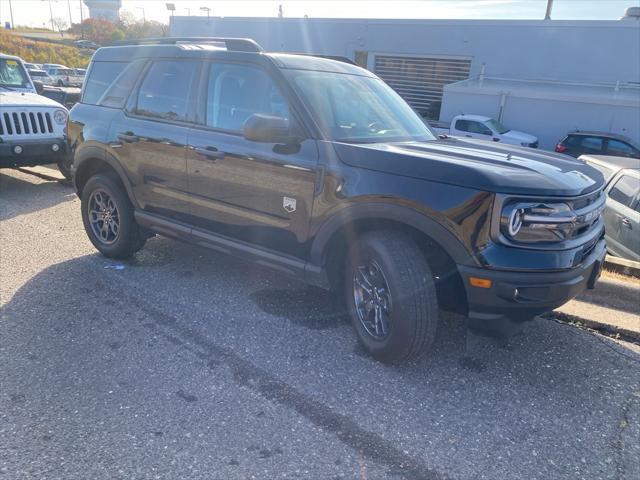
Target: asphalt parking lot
{"type": "Point", "coordinates": [183, 363]}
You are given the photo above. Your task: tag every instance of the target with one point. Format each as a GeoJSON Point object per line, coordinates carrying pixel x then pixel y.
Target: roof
{"type": "Point", "coordinates": [615, 136]}
{"type": "Point", "coordinates": [201, 49]}
{"type": "Point", "coordinates": [477, 118]}
{"type": "Point", "coordinates": [614, 163]}
{"type": "Point", "coordinates": [10, 57]}
{"type": "Point", "coordinates": [625, 94]}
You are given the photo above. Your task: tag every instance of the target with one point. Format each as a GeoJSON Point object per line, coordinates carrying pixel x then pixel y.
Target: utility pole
{"type": "Point", "coordinates": [13, 25]}
{"type": "Point", "coordinates": [144, 17]}
{"type": "Point", "coordinates": [547, 15]}
{"type": "Point", "coordinates": [70, 17]}
{"type": "Point", "coordinates": [53, 27]}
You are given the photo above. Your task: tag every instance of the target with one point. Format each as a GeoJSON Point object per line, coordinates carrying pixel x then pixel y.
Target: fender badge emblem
{"type": "Point", "coordinates": [289, 204]}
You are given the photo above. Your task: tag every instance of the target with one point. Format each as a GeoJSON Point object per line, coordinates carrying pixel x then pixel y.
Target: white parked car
{"type": "Point", "coordinates": [484, 128]}
{"type": "Point", "coordinates": [32, 127]}
{"type": "Point", "coordinates": [40, 76]}
{"type": "Point", "coordinates": [65, 77]}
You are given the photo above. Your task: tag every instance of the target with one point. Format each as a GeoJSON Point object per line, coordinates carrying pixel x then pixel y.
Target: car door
{"type": "Point", "coordinates": [619, 148]}
{"type": "Point", "coordinates": [150, 136]}
{"type": "Point", "coordinates": [622, 215]}
{"type": "Point", "coordinates": [260, 193]}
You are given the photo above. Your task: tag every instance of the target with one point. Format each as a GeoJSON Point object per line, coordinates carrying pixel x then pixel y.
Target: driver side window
{"type": "Point", "coordinates": [235, 92]}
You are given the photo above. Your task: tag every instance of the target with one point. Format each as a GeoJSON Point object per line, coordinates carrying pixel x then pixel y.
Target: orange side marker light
{"type": "Point", "coordinates": [480, 282]}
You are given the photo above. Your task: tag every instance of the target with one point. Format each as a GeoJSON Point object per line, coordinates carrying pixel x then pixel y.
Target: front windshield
{"type": "Point", "coordinates": [358, 109]}
{"type": "Point", "coordinates": [496, 126]}
{"type": "Point", "coordinates": [12, 74]}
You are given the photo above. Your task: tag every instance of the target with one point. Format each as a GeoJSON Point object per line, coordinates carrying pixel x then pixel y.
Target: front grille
{"type": "Point", "coordinates": [25, 123]}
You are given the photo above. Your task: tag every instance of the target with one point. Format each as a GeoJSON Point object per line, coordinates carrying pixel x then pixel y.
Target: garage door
{"type": "Point", "coordinates": [419, 80]}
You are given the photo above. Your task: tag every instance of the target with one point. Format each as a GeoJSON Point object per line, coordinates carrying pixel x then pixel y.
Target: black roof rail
{"type": "Point", "coordinates": [232, 44]}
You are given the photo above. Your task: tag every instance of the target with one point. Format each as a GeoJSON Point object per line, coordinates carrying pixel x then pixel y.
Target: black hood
{"type": "Point", "coordinates": [477, 164]}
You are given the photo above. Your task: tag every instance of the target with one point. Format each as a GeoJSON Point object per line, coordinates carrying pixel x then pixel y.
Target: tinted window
{"type": "Point", "coordinates": [164, 93]}
{"type": "Point", "coordinates": [622, 149]}
{"type": "Point", "coordinates": [354, 108]}
{"type": "Point", "coordinates": [625, 190]}
{"type": "Point", "coordinates": [591, 144]}
{"type": "Point", "coordinates": [116, 95]}
{"type": "Point", "coordinates": [12, 74]}
{"type": "Point", "coordinates": [235, 92]}
{"type": "Point", "coordinates": [100, 77]}
{"type": "Point", "coordinates": [462, 125]}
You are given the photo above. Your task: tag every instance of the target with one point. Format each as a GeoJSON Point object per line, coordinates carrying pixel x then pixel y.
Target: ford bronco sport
{"type": "Point", "coordinates": [317, 168]}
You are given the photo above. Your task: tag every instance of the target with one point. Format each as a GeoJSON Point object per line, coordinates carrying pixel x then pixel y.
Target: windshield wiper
{"type": "Point", "coordinates": [7, 88]}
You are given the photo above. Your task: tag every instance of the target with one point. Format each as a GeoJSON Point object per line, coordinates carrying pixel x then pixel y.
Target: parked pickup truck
{"type": "Point", "coordinates": [317, 168]}
{"type": "Point", "coordinates": [484, 128]}
{"type": "Point", "coordinates": [32, 127]}
{"type": "Point", "coordinates": [66, 77]}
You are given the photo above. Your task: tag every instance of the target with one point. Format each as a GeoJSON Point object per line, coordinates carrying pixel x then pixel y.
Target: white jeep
{"type": "Point", "coordinates": [33, 128]}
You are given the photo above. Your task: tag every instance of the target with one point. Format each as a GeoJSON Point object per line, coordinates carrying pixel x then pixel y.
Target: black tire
{"type": "Point", "coordinates": [64, 166]}
{"type": "Point", "coordinates": [60, 83]}
{"type": "Point", "coordinates": [129, 237]}
{"type": "Point", "coordinates": [411, 306]}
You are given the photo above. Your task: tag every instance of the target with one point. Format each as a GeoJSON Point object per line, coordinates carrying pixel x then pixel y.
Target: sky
{"type": "Point", "coordinates": [35, 13]}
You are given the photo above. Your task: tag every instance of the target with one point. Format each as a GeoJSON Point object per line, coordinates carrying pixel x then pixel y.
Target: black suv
{"type": "Point", "coordinates": [598, 143]}
{"type": "Point", "coordinates": [317, 168]}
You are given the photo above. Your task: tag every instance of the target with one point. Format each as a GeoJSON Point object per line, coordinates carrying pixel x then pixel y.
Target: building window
{"type": "Point", "coordinates": [361, 59]}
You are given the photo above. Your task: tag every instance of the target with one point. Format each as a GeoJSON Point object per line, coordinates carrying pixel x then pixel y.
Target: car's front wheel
{"type": "Point", "coordinates": [107, 214]}
{"type": "Point", "coordinates": [391, 296]}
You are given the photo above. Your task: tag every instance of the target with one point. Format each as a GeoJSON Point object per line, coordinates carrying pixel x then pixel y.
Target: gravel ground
{"type": "Point", "coordinates": [183, 363]}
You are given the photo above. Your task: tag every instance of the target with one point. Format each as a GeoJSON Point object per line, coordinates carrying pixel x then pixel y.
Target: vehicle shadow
{"type": "Point", "coordinates": [41, 194]}
{"type": "Point", "coordinates": [554, 389]}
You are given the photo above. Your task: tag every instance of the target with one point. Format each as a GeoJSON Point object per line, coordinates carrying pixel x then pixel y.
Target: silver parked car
{"type": "Point", "coordinates": [622, 211]}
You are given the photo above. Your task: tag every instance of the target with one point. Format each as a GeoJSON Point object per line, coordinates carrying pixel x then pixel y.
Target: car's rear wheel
{"type": "Point", "coordinates": [391, 296]}
{"type": "Point", "coordinates": [107, 214]}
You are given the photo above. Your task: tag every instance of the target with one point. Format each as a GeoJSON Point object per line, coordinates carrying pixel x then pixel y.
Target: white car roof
{"type": "Point", "coordinates": [477, 118]}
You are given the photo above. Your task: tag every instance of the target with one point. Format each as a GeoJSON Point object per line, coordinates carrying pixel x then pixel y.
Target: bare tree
{"type": "Point", "coordinates": [60, 25]}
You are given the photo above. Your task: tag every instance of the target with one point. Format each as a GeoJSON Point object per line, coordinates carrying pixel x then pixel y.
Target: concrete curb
{"type": "Point", "coordinates": [622, 266]}
{"type": "Point", "coordinates": [602, 328]}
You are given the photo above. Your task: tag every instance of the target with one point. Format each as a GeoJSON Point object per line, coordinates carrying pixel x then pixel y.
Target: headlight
{"type": "Point", "coordinates": [533, 222]}
{"type": "Point", "coordinates": [60, 116]}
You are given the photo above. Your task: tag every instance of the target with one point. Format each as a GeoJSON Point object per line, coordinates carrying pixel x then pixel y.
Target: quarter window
{"type": "Point", "coordinates": [235, 92]}
{"type": "Point", "coordinates": [625, 190]}
{"type": "Point", "coordinates": [164, 93]}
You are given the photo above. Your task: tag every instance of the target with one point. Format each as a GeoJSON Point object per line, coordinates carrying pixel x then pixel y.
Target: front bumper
{"type": "Point", "coordinates": [34, 152]}
{"type": "Point", "coordinates": [516, 296]}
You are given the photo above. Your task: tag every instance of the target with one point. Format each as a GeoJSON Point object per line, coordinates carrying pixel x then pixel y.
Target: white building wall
{"type": "Point", "coordinates": [590, 51]}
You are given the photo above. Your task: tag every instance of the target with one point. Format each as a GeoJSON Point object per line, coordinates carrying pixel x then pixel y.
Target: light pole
{"type": "Point", "coordinates": [188, 11]}
{"type": "Point", "coordinates": [208, 10]}
{"type": "Point", "coordinates": [144, 17]}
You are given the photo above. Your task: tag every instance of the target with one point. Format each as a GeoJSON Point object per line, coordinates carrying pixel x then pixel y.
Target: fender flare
{"type": "Point", "coordinates": [446, 239]}
{"type": "Point", "coordinates": [91, 153]}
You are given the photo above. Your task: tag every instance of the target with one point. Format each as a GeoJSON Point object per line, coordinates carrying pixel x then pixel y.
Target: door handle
{"type": "Point", "coordinates": [626, 222]}
{"type": "Point", "coordinates": [128, 137]}
{"type": "Point", "coordinates": [211, 153]}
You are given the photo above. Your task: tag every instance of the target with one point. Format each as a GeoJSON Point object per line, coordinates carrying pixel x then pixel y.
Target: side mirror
{"type": "Point", "coordinates": [268, 129]}
{"type": "Point", "coordinates": [39, 87]}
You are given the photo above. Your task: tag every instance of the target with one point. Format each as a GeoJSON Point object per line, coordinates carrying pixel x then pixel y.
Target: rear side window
{"type": "Point", "coordinates": [591, 144]}
{"type": "Point", "coordinates": [164, 93]}
{"type": "Point", "coordinates": [625, 190]}
{"type": "Point", "coordinates": [100, 77]}
{"type": "Point", "coordinates": [117, 94]}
